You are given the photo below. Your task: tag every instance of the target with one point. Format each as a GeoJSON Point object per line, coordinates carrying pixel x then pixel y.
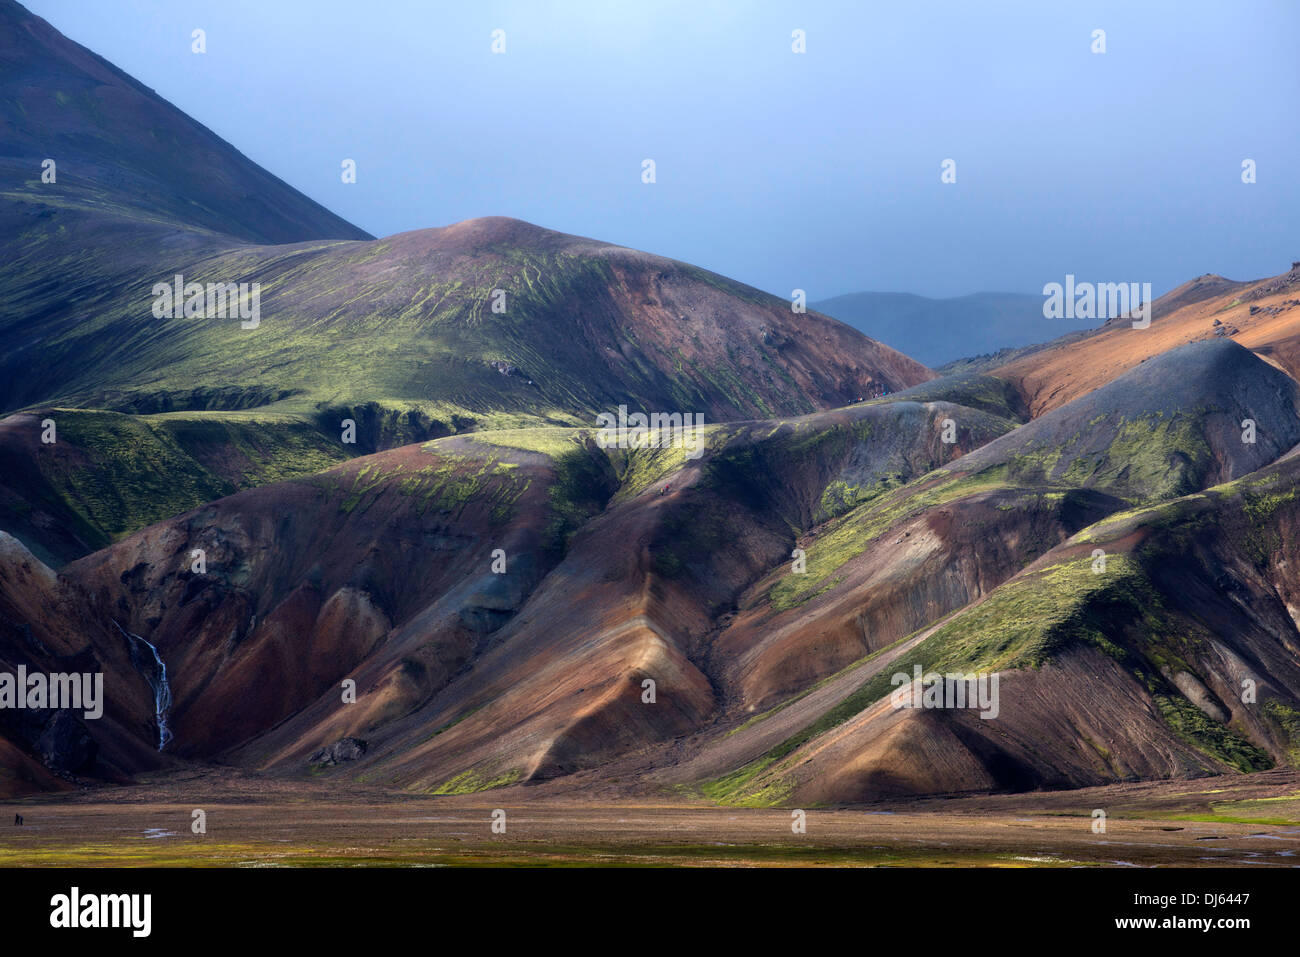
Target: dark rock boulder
{"type": "Point", "coordinates": [344, 749]}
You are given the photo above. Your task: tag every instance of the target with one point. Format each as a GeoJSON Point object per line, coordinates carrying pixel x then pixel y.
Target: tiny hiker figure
{"type": "Point", "coordinates": [18, 819]}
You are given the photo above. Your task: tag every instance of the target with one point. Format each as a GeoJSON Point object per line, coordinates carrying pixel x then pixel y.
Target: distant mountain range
{"type": "Point", "coordinates": [937, 331]}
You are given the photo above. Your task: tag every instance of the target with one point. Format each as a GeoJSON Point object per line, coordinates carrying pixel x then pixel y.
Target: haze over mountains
{"type": "Point", "coordinates": [937, 331]}
{"type": "Point", "coordinates": [501, 585]}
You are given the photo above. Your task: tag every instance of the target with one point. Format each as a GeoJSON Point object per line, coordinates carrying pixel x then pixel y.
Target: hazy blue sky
{"type": "Point", "coordinates": [819, 171]}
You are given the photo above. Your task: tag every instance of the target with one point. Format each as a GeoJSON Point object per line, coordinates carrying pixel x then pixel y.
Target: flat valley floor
{"type": "Point", "coordinates": [1231, 821]}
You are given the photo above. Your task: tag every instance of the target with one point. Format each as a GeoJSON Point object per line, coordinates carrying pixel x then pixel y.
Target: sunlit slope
{"type": "Point", "coordinates": [486, 316]}
{"type": "Point", "coordinates": [1262, 315]}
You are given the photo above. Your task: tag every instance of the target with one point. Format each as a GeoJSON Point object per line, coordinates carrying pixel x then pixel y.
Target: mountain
{"type": "Point", "coordinates": [407, 323]}
{"type": "Point", "coordinates": [937, 331]}
{"type": "Point", "coordinates": [490, 317]}
{"type": "Point", "coordinates": [381, 570]}
{"type": "Point", "coordinates": [1176, 658]}
{"type": "Point", "coordinates": [987, 564]}
{"type": "Point", "coordinates": [396, 335]}
{"type": "Point", "coordinates": [903, 557]}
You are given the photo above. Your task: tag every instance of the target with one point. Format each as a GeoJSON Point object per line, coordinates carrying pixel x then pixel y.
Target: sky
{"type": "Point", "coordinates": [818, 171]}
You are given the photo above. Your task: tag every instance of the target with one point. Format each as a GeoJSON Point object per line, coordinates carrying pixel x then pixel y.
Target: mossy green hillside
{"type": "Point", "coordinates": [848, 536]}
{"type": "Point", "coordinates": [1152, 458]}
{"type": "Point", "coordinates": [1141, 459]}
{"type": "Point", "coordinates": [583, 478]}
{"type": "Point", "coordinates": [442, 484]}
{"type": "Point", "coordinates": [112, 474]}
{"type": "Point", "coordinates": [473, 781]}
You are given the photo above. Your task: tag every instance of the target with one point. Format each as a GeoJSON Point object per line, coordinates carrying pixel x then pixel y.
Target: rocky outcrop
{"type": "Point", "coordinates": [344, 749]}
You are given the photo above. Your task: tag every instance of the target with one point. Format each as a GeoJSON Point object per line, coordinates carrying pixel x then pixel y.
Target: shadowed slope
{"type": "Point", "coordinates": [47, 628]}
{"type": "Point", "coordinates": [123, 151]}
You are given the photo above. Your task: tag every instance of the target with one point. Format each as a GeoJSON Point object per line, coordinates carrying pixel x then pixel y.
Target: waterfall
{"type": "Point", "coordinates": [154, 670]}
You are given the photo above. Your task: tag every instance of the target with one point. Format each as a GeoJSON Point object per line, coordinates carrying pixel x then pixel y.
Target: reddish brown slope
{"type": "Point", "coordinates": [47, 627]}
{"type": "Point", "coordinates": [560, 687]}
{"type": "Point", "coordinates": [304, 580]}
{"type": "Point", "coordinates": [1138, 671]}
{"type": "Point", "coordinates": [1262, 315]}
{"type": "Point", "coordinates": [379, 570]}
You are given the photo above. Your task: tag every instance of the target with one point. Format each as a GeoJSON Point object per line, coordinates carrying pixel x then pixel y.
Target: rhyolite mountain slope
{"type": "Point", "coordinates": [381, 569]}
{"type": "Point", "coordinates": [397, 335]}
{"type": "Point", "coordinates": [1167, 426]}
{"type": "Point", "coordinates": [407, 322]}
{"type": "Point", "coordinates": [1176, 656]}
{"type": "Point", "coordinates": [903, 557]}
{"type": "Point", "coordinates": [628, 565]}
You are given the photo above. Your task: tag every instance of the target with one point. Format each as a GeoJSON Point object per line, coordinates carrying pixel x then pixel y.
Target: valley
{"type": "Point", "coordinates": [1208, 823]}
